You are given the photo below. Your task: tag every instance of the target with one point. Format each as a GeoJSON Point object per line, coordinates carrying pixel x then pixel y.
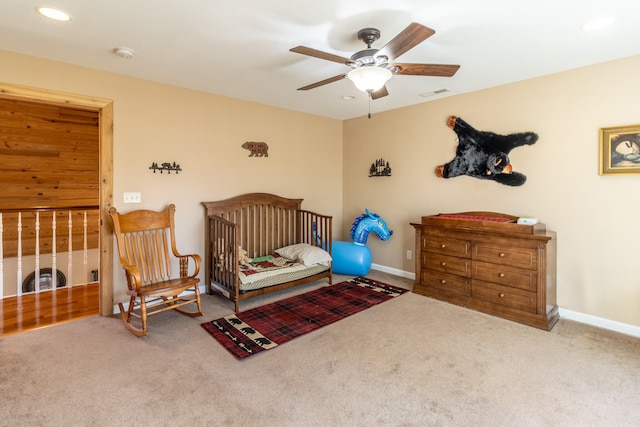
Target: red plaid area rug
{"type": "Point", "coordinates": [262, 328]}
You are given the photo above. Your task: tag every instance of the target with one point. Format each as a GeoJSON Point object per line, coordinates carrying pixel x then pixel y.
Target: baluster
{"type": "Point", "coordinates": [36, 284]}
{"type": "Point", "coordinates": [54, 253]}
{"type": "Point", "coordinates": [84, 253]}
{"type": "Point", "coordinates": [1, 258]}
{"type": "Point", "coordinates": [19, 255]}
{"type": "Point", "coordinates": [70, 257]}
{"type": "Point", "coordinates": [54, 274]}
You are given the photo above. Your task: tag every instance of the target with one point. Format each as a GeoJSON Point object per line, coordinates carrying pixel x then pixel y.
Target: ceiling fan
{"type": "Point", "coordinates": [372, 68]}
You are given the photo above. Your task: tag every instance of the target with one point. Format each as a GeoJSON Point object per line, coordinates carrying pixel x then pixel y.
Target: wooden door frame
{"type": "Point", "coordinates": [104, 107]}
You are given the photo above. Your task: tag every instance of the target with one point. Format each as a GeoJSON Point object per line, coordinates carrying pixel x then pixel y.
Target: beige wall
{"type": "Point", "coordinates": [596, 217]}
{"type": "Point", "coordinates": [203, 133]}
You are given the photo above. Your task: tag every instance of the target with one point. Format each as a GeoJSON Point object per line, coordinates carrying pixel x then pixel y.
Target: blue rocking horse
{"type": "Point", "coordinates": [354, 258]}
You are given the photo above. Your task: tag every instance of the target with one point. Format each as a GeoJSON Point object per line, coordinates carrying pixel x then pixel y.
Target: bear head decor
{"type": "Point", "coordinates": [484, 155]}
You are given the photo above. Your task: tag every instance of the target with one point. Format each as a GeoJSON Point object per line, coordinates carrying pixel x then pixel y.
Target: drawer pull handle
{"type": "Point", "coordinates": [501, 254]}
{"type": "Point", "coordinates": [443, 281]}
{"type": "Point", "coordinates": [501, 295]}
{"type": "Point", "coordinates": [443, 263]}
{"type": "Point", "coordinates": [501, 275]}
{"type": "Point", "coordinates": [443, 246]}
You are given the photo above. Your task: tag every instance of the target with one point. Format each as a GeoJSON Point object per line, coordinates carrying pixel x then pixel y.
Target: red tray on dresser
{"type": "Point", "coordinates": [480, 220]}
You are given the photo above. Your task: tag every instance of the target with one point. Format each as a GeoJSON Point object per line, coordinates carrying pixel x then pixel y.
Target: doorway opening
{"type": "Point", "coordinates": [104, 108]}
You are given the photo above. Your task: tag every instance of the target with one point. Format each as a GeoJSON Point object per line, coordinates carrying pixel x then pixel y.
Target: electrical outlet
{"type": "Point", "coordinates": [132, 198]}
{"type": "Point", "coordinates": [409, 254]}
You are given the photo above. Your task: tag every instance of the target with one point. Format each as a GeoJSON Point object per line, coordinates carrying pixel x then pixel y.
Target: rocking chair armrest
{"type": "Point", "coordinates": [184, 264]}
{"type": "Point", "coordinates": [134, 279]}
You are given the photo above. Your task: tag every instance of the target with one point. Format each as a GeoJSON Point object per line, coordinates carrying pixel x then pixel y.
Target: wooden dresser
{"type": "Point", "coordinates": [488, 262]}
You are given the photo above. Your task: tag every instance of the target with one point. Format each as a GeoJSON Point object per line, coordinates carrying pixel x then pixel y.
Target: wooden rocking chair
{"type": "Point", "coordinates": [143, 238]}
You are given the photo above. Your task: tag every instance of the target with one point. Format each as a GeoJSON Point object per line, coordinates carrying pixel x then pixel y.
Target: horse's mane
{"type": "Point", "coordinates": [358, 220]}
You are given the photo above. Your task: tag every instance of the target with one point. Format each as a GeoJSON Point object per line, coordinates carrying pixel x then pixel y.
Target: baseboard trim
{"type": "Point", "coordinates": [588, 319]}
{"type": "Point", "coordinates": [599, 322]}
{"type": "Point", "coordinates": [394, 271]}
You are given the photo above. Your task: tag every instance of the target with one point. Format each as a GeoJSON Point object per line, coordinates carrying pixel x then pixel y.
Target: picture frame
{"type": "Point", "coordinates": [620, 150]}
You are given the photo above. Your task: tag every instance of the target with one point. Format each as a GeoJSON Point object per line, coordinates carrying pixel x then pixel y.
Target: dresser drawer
{"type": "Point", "coordinates": [446, 246]}
{"type": "Point", "coordinates": [446, 282]}
{"type": "Point", "coordinates": [446, 264]}
{"type": "Point", "coordinates": [504, 296]}
{"type": "Point", "coordinates": [505, 275]}
{"type": "Point", "coordinates": [515, 256]}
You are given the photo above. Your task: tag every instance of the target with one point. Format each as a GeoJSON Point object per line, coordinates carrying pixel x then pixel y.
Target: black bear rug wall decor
{"type": "Point", "coordinates": [484, 155]}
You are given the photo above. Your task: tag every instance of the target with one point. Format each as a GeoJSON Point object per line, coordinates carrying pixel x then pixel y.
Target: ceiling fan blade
{"type": "Point", "coordinates": [408, 38]}
{"type": "Point", "coordinates": [323, 82]}
{"type": "Point", "coordinates": [438, 70]}
{"type": "Point", "coordinates": [319, 54]}
{"type": "Point", "coordinates": [380, 93]}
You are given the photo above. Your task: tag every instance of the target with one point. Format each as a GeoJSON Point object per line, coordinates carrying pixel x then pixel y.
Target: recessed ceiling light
{"type": "Point", "coordinates": [596, 24]}
{"type": "Point", "coordinates": [124, 52]}
{"type": "Point", "coordinates": [53, 13]}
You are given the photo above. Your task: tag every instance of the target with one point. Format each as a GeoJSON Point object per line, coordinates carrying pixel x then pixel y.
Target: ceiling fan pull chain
{"type": "Point", "coordinates": [369, 93]}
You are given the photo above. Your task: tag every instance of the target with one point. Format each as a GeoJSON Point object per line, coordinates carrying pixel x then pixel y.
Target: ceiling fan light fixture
{"type": "Point", "coordinates": [369, 79]}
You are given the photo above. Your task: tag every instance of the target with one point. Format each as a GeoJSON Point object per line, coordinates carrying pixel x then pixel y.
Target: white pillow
{"type": "Point", "coordinates": [306, 254]}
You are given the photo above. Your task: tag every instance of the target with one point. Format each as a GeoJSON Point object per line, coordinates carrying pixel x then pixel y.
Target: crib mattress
{"type": "Point", "coordinates": [284, 275]}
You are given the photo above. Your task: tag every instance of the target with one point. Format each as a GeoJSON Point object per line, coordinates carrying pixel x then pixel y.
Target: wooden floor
{"type": "Point", "coordinates": [48, 308]}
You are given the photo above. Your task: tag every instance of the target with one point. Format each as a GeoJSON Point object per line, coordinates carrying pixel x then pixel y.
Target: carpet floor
{"type": "Point", "coordinates": [411, 361]}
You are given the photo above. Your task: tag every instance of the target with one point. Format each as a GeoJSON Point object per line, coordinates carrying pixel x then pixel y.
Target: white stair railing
{"type": "Point", "coordinates": [22, 260]}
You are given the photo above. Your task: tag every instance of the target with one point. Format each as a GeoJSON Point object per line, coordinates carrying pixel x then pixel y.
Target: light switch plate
{"type": "Point", "coordinates": [132, 198]}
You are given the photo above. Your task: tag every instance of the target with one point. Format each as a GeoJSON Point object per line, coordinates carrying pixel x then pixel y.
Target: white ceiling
{"type": "Point", "coordinates": [240, 48]}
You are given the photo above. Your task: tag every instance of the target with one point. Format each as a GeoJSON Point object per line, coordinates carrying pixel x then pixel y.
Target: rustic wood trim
{"type": "Point", "coordinates": [105, 109]}
{"type": "Point", "coordinates": [106, 201]}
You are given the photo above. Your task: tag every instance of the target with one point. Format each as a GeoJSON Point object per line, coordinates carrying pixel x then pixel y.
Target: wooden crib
{"type": "Point", "coordinates": [263, 224]}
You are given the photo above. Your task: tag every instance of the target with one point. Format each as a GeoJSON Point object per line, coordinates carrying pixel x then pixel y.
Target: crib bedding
{"type": "Point", "coordinates": [264, 267]}
{"type": "Point", "coordinates": [274, 270]}
{"type": "Point", "coordinates": [284, 278]}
